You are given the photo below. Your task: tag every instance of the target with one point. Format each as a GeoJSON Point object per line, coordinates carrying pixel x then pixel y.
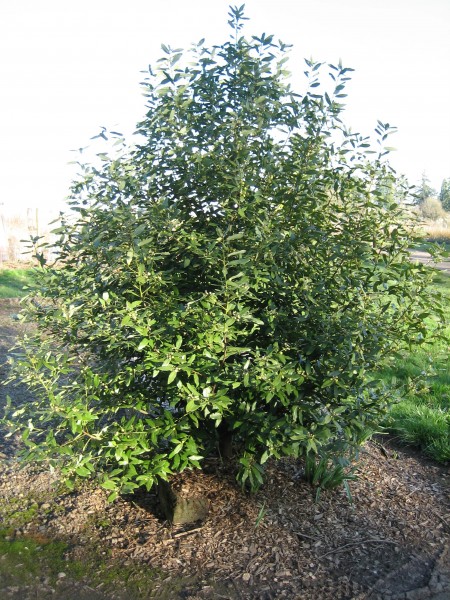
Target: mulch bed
{"type": "Point", "coordinates": [390, 543]}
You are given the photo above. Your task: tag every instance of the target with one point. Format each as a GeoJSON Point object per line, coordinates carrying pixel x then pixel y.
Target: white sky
{"type": "Point", "coordinates": [67, 68]}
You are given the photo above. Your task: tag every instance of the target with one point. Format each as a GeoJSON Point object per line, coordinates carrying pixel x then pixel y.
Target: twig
{"type": "Point", "coordinates": [183, 533]}
{"type": "Point", "coordinates": [382, 449]}
{"type": "Point", "coordinates": [440, 518]}
{"type": "Point", "coordinates": [309, 537]}
{"type": "Point", "coordinates": [343, 548]}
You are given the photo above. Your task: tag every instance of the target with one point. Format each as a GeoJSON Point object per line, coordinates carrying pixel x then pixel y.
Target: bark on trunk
{"type": "Point", "coordinates": [225, 442]}
{"type": "Point", "coordinates": [182, 506]}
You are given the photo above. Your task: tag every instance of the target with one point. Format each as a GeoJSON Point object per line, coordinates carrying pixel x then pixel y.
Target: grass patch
{"type": "Point", "coordinates": [28, 557]}
{"type": "Point", "coordinates": [35, 556]}
{"type": "Point", "coordinates": [422, 417]}
{"type": "Point", "coordinates": [27, 560]}
{"type": "Point", "coordinates": [13, 281]}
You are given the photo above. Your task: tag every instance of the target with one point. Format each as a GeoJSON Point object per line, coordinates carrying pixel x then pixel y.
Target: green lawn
{"type": "Point", "coordinates": [422, 417]}
{"type": "Point", "coordinates": [12, 282]}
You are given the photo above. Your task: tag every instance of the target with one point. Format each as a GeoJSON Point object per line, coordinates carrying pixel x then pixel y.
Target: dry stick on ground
{"type": "Point", "coordinates": [309, 537]}
{"type": "Point", "coordinates": [359, 543]}
{"type": "Point", "coordinates": [184, 533]}
{"type": "Point", "coordinates": [441, 518]}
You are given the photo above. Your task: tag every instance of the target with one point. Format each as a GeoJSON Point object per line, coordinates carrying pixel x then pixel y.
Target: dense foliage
{"type": "Point", "coordinates": [230, 283]}
{"type": "Point", "coordinates": [424, 191]}
{"type": "Point", "coordinates": [444, 195]}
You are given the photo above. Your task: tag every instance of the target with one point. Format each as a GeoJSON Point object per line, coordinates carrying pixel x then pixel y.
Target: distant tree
{"type": "Point", "coordinates": [424, 190]}
{"type": "Point", "coordinates": [444, 195]}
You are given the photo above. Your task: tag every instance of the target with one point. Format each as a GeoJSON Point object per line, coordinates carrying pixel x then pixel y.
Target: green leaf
{"type": "Point", "coordinates": [82, 471]}
{"type": "Point", "coordinates": [172, 376]}
{"type": "Point", "coordinates": [191, 406]}
{"type": "Point", "coordinates": [178, 448]}
{"type": "Point", "coordinates": [108, 485]}
{"type": "Point", "coordinates": [264, 457]}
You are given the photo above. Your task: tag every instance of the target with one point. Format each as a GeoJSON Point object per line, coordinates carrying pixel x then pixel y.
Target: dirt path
{"type": "Point", "coordinates": [392, 543]}
{"type": "Point", "coordinates": [425, 258]}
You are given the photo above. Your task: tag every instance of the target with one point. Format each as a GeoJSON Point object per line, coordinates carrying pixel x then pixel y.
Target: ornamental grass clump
{"type": "Point", "coordinates": [229, 284]}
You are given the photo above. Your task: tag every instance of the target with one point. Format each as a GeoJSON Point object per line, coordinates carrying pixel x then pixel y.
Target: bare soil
{"type": "Point", "coordinates": [391, 543]}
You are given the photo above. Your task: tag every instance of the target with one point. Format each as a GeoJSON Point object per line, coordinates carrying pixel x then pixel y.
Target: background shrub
{"type": "Point", "coordinates": [431, 208]}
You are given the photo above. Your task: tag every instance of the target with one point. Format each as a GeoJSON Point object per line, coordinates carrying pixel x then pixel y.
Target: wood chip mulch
{"type": "Point", "coordinates": [391, 543]}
